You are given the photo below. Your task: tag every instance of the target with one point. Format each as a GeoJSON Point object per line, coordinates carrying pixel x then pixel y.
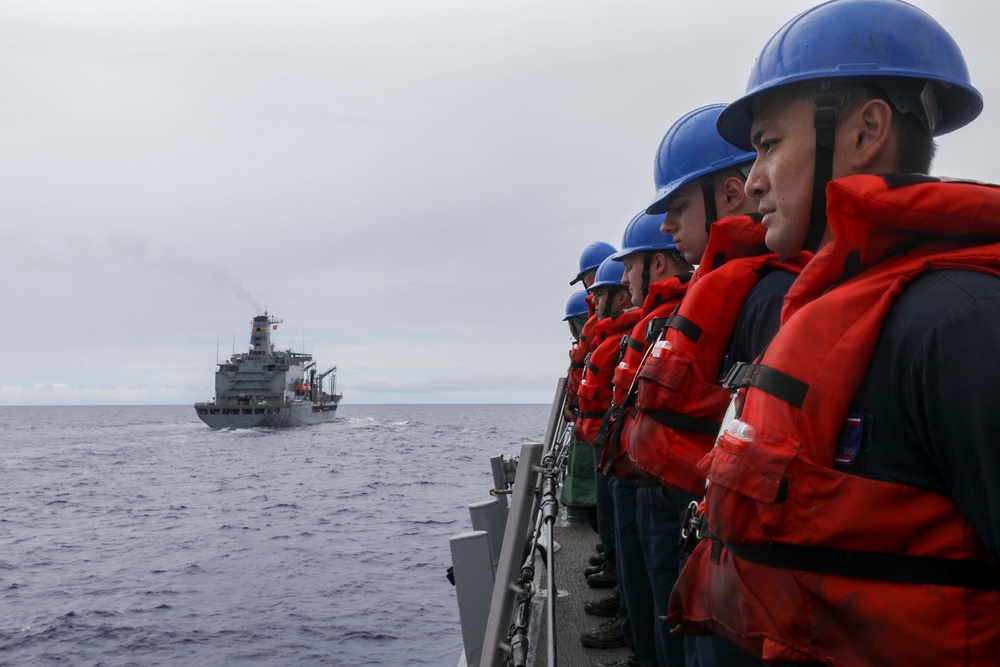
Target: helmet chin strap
{"type": "Point", "coordinates": [708, 194]}
{"type": "Point", "coordinates": [825, 122]}
{"type": "Point", "coordinates": [647, 260]}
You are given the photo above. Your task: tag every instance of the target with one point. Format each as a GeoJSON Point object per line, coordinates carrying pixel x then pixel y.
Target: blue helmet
{"type": "Point", "coordinates": [591, 258]}
{"type": "Point", "coordinates": [690, 149]}
{"type": "Point", "coordinates": [577, 305]}
{"type": "Point", "coordinates": [643, 234]}
{"type": "Point", "coordinates": [885, 42]}
{"type": "Point", "coordinates": [609, 273]}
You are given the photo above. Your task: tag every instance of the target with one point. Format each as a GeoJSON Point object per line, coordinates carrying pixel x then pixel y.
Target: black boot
{"type": "Point", "coordinates": [606, 578]}
{"type": "Point", "coordinates": [607, 606]}
{"type": "Point", "coordinates": [605, 635]}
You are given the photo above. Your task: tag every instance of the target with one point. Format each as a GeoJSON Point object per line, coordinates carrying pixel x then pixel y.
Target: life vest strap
{"type": "Point", "coordinates": [636, 345]}
{"type": "Point", "coordinates": [593, 415]}
{"type": "Point", "coordinates": [770, 380]}
{"type": "Point", "coordinates": [675, 321]}
{"type": "Point", "coordinates": [577, 364]}
{"type": "Point", "coordinates": [902, 568]}
{"type": "Point", "coordinates": [609, 435]}
{"type": "Point", "coordinates": [685, 422]}
{"type": "Point", "coordinates": [685, 326]}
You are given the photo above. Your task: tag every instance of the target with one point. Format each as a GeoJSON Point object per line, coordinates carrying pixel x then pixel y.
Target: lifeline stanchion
{"type": "Point", "coordinates": [553, 463]}
{"type": "Point", "coordinates": [534, 496]}
{"type": "Point", "coordinates": [548, 512]}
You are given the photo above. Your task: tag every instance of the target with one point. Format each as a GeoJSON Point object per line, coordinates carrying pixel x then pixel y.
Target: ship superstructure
{"type": "Point", "coordinates": [268, 387]}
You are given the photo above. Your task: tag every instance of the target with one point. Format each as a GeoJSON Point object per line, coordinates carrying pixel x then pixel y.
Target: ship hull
{"type": "Point", "coordinates": [298, 413]}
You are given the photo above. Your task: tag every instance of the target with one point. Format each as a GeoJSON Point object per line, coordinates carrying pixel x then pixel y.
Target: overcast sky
{"type": "Point", "coordinates": [408, 185]}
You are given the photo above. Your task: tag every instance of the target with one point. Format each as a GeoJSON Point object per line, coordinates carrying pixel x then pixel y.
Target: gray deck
{"type": "Point", "coordinates": [577, 545]}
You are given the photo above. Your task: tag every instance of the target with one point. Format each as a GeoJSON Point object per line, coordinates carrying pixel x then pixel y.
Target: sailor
{"type": "Point", "coordinates": [578, 486]}
{"type": "Point", "coordinates": [851, 515]}
{"type": "Point", "coordinates": [729, 313]}
{"type": "Point", "coordinates": [613, 307]}
{"type": "Point", "coordinates": [590, 259]}
{"type": "Point", "coordinates": [602, 573]}
{"type": "Point", "coordinates": [657, 276]}
{"type": "Point", "coordinates": [578, 311]}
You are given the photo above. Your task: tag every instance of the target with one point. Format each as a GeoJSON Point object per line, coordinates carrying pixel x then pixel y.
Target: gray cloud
{"type": "Point", "coordinates": [407, 185]}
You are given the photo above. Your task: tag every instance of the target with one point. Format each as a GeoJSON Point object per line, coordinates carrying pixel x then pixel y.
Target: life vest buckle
{"type": "Point", "coordinates": [692, 528]}
{"type": "Point", "coordinates": [655, 328]}
{"type": "Point", "coordinates": [739, 376]}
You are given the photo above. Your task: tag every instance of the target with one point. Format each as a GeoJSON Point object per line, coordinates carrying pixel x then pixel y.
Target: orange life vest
{"type": "Point", "coordinates": [577, 355]}
{"type": "Point", "coordinates": [663, 298]}
{"type": "Point", "coordinates": [679, 403]}
{"type": "Point", "coordinates": [588, 339]}
{"type": "Point", "coordinates": [595, 388]}
{"type": "Point", "coordinates": [835, 544]}
{"type": "Point", "coordinates": [583, 346]}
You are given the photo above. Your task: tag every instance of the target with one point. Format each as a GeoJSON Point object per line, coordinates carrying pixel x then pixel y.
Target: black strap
{"type": "Point", "coordinates": [708, 194]}
{"type": "Point", "coordinates": [592, 415]}
{"type": "Point", "coordinates": [611, 432]}
{"type": "Point", "coordinates": [769, 380]}
{"type": "Point", "coordinates": [825, 122]}
{"type": "Point", "coordinates": [634, 344]}
{"type": "Point", "coordinates": [685, 422]}
{"type": "Point", "coordinates": [685, 326]}
{"type": "Point", "coordinates": [675, 321]}
{"type": "Point", "coordinates": [602, 430]}
{"type": "Point", "coordinates": [593, 369]}
{"type": "Point", "coordinates": [578, 364]}
{"type": "Point", "coordinates": [622, 344]}
{"type": "Point", "coordinates": [647, 261]}
{"type": "Point", "coordinates": [981, 575]}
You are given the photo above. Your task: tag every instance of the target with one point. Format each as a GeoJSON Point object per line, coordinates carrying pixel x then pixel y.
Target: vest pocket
{"type": "Point", "coordinates": [660, 382]}
{"type": "Point", "coordinates": [587, 392]}
{"type": "Point", "coordinates": [754, 468]}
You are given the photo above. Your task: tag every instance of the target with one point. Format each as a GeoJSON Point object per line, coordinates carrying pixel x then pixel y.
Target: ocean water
{"type": "Point", "coordinates": [139, 536]}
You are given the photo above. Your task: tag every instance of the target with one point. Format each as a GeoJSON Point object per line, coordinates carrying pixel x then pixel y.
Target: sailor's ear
{"type": "Point", "coordinates": [733, 196]}
{"type": "Point", "coordinates": [867, 144]}
{"type": "Point", "coordinates": [658, 262]}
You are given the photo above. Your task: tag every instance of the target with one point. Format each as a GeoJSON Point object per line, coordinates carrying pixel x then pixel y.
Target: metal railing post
{"type": "Point", "coordinates": [516, 537]}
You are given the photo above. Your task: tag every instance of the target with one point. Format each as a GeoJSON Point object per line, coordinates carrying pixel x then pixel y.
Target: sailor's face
{"type": "Point", "coordinates": [782, 176]}
{"type": "Point", "coordinates": [685, 221]}
{"type": "Point", "coordinates": [600, 300]}
{"type": "Point", "coordinates": [633, 278]}
{"type": "Point", "coordinates": [588, 278]}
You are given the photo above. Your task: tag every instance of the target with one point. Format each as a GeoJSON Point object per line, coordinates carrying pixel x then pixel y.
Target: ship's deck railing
{"type": "Point", "coordinates": [505, 640]}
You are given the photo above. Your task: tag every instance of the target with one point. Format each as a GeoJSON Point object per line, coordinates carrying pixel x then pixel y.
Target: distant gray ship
{"type": "Point", "coordinates": [265, 387]}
